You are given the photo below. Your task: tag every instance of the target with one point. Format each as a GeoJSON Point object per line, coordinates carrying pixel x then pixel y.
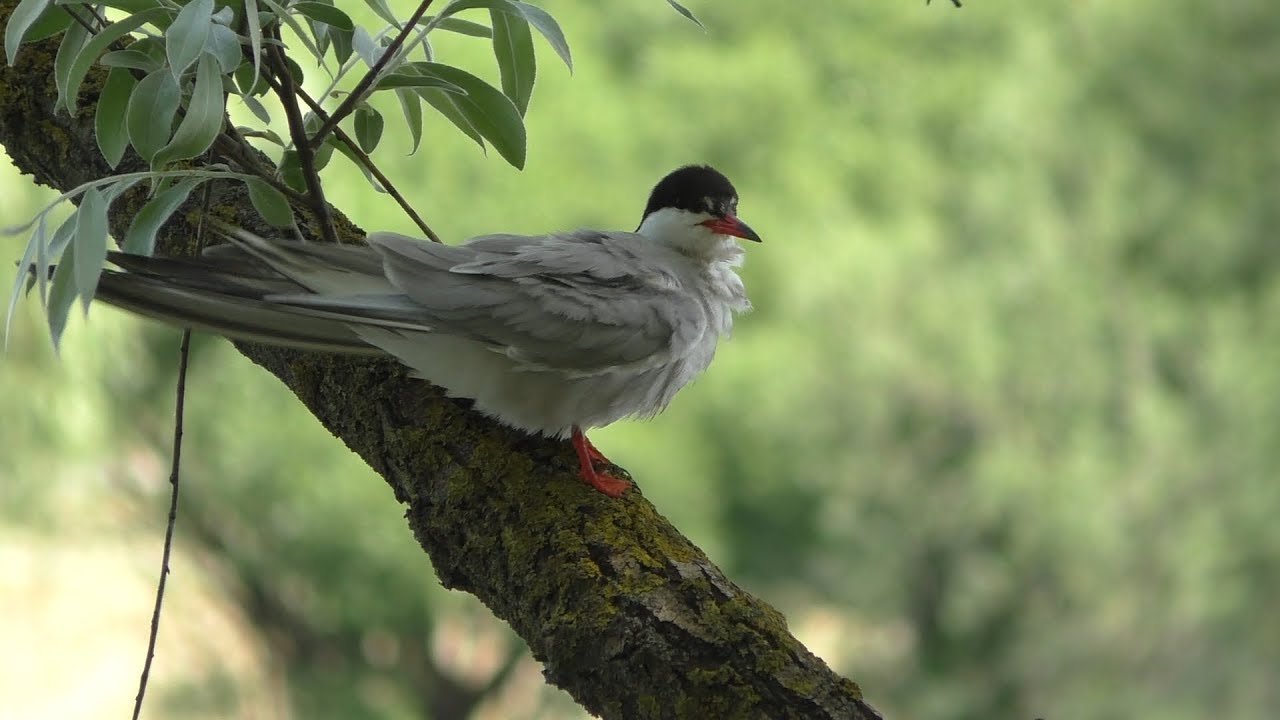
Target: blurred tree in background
{"type": "Point", "coordinates": [1001, 438]}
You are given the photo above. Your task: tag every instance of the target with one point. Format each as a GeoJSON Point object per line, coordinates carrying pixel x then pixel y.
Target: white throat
{"type": "Point", "coordinates": [684, 231]}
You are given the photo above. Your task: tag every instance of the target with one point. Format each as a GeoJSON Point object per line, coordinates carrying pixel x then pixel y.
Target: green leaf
{"type": "Point", "coordinates": [61, 239]}
{"type": "Point", "coordinates": [382, 10]}
{"type": "Point", "coordinates": [90, 244]}
{"type": "Point", "coordinates": [34, 245]}
{"type": "Point", "coordinates": [185, 38]}
{"type": "Point", "coordinates": [537, 17]}
{"type": "Point", "coordinates": [550, 29]}
{"type": "Point", "coordinates": [490, 112]}
{"type": "Point", "coordinates": [98, 44]}
{"type": "Point", "coordinates": [203, 119]}
{"type": "Point", "coordinates": [266, 134]}
{"type": "Point", "coordinates": [258, 109]}
{"type": "Point", "coordinates": [224, 44]}
{"type": "Point", "coordinates": [132, 59]}
{"type": "Point", "coordinates": [62, 295]}
{"type": "Point", "coordinates": [416, 80]}
{"type": "Point", "coordinates": [365, 46]}
{"type": "Point", "coordinates": [130, 7]}
{"type": "Point", "coordinates": [255, 42]}
{"type": "Point", "coordinates": [53, 21]}
{"type": "Point", "coordinates": [141, 237]}
{"type": "Point", "coordinates": [288, 19]}
{"type": "Point", "coordinates": [444, 104]}
{"type": "Point", "coordinates": [290, 169]}
{"type": "Point", "coordinates": [513, 47]}
{"type": "Point", "coordinates": [464, 27]}
{"type": "Point", "coordinates": [150, 115]}
{"type": "Point", "coordinates": [341, 44]}
{"type": "Point", "coordinates": [411, 107]}
{"type": "Point", "coordinates": [355, 160]}
{"type": "Point", "coordinates": [23, 17]}
{"type": "Point", "coordinates": [369, 126]}
{"type": "Point", "coordinates": [685, 12]}
{"type": "Point", "coordinates": [73, 41]}
{"type": "Point", "coordinates": [270, 203]}
{"type": "Point", "coordinates": [326, 14]}
{"type": "Point", "coordinates": [109, 122]}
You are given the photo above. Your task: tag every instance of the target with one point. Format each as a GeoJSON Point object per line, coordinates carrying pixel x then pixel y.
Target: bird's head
{"type": "Point", "coordinates": [695, 209]}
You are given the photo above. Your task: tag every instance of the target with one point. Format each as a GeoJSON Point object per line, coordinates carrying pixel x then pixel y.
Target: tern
{"type": "Point", "coordinates": [552, 334]}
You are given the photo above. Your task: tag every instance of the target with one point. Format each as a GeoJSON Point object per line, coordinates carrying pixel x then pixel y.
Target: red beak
{"type": "Point", "coordinates": [730, 225]}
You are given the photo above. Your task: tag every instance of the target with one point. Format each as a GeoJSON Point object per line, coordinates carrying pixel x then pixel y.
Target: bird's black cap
{"type": "Point", "coordinates": [696, 188]}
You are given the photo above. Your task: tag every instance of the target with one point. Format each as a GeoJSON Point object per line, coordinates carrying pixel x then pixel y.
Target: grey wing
{"type": "Point", "coordinates": [581, 302]}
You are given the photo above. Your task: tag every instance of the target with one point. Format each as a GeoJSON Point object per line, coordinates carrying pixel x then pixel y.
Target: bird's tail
{"type": "Point", "coordinates": [302, 295]}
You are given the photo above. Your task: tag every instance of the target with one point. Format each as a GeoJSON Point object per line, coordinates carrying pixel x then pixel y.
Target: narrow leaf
{"type": "Point", "coordinates": [288, 19]}
{"type": "Point", "coordinates": [57, 246]}
{"type": "Point", "coordinates": [490, 112]}
{"type": "Point", "coordinates": [415, 80]}
{"type": "Point", "coordinates": [255, 41]}
{"type": "Point", "coordinates": [270, 203]}
{"type": "Point", "coordinates": [98, 44]}
{"type": "Point", "coordinates": [444, 104]}
{"type": "Point", "coordinates": [355, 160]}
{"type": "Point", "coordinates": [685, 12]}
{"type": "Point", "coordinates": [203, 119]}
{"type": "Point", "coordinates": [550, 29]}
{"type": "Point", "coordinates": [513, 48]}
{"type": "Point", "coordinates": [382, 10]}
{"type": "Point", "coordinates": [369, 124]}
{"type": "Point", "coordinates": [37, 241]}
{"type": "Point", "coordinates": [90, 244]}
{"type": "Point", "coordinates": [258, 109]}
{"type": "Point", "coordinates": [141, 237]}
{"type": "Point", "coordinates": [150, 115]}
{"type": "Point", "coordinates": [131, 59]}
{"type": "Point", "coordinates": [326, 14]}
{"type": "Point", "coordinates": [464, 27]}
{"type": "Point", "coordinates": [109, 122]}
{"type": "Point", "coordinates": [185, 38]}
{"type": "Point", "coordinates": [53, 21]}
{"type": "Point", "coordinates": [224, 44]}
{"type": "Point", "coordinates": [20, 21]}
{"type": "Point", "coordinates": [535, 16]}
{"type": "Point", "coordinates": [73, 41]}
{"type": "Point", "coordinates": [364, 46]}
{"type": "Point", "coordinates": [411, 107]}
{"type": "Point", "coordinates": [62, 295]}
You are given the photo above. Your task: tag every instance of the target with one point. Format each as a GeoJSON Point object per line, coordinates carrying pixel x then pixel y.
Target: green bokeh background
{"type": "Point", "coordinates": [1001, 436]}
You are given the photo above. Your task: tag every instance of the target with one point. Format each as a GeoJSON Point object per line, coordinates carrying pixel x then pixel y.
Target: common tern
{"type": "Point", "coordinates": [552, 334]}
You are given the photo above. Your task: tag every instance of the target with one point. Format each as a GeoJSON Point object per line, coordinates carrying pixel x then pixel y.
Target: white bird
{"type": "Point", "coordinates": [552, 334]}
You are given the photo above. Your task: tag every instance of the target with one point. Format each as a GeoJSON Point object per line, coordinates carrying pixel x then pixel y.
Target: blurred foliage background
{"type": "Point", "coordinates": [1001, 437]}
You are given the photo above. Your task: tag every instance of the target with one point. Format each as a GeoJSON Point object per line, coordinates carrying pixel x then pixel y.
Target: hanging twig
{"type": "Point", "coordinates": [184, 354]}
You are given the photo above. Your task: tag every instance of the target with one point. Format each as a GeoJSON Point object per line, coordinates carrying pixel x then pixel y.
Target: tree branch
{"type": "Point", "coordinates": [624, 612]}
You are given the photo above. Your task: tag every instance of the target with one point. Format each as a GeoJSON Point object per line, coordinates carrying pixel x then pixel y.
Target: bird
{"type": "Point", "coordinates": [551, 334]}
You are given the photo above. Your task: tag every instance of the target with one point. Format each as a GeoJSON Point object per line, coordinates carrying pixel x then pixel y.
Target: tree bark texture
{"type": "Point", "coordinates": [624, 612]}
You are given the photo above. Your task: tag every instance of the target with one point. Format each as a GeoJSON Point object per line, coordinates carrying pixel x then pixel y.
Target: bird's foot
{"type": "Point", "coordinates": [588, 455]}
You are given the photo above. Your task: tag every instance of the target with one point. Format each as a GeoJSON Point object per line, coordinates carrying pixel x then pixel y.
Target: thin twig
{"type": "Point", "coordinates": [365, 160]}
{"type": "Point", "coordinates": [348, 105]}
{"type": "Point", "coordinates": [306, 152]}
{"type": "Point", "coordinates": [184, 355]}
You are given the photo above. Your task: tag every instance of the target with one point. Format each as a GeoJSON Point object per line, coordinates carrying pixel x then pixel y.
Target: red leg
{"type": "Point", "coordinates": [587, 454]}
{"type": "Point", "coordinates": [593, 452]}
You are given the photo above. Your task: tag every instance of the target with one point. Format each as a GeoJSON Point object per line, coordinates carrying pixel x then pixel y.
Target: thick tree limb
{"type": "Point", "coordinates": [625, 613]}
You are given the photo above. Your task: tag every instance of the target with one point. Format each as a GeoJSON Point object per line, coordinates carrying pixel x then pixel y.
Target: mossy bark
{"type": "Point", "coordinates": [624, 612]}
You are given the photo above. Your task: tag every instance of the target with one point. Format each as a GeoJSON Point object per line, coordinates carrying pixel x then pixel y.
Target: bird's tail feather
{"type": "Point", "coordinates": [294, 294]}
